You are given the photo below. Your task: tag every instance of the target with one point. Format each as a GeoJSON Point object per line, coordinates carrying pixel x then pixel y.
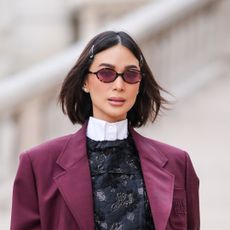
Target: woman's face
{"type": "Point", "coordinates": [112, 101]}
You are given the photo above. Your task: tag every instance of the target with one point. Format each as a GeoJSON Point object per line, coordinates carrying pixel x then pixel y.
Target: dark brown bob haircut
{"type": "Point", "coordinates": [78, 105]}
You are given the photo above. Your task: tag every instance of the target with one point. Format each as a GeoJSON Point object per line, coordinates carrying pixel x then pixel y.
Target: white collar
{"type": "Point", "coordinates": [100, 130]}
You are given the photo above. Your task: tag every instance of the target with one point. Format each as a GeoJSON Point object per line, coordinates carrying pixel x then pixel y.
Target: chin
{"type": "Point", "coordinates": [115, 118]}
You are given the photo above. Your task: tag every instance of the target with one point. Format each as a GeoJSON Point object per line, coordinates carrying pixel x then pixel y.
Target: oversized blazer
{"type": "Point", "coordinates": [53, 190]}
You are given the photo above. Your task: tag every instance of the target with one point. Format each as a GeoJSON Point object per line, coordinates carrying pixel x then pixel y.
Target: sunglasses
{"type": "Point", "coordinates": [108, 75]}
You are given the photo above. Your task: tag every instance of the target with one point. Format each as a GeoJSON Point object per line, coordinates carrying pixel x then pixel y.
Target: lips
{"type": "Point", "coordinates": [116, 101]}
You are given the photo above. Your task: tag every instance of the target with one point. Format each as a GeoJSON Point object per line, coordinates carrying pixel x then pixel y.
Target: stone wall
{"type": "Point", "coordinates": [31, 31]}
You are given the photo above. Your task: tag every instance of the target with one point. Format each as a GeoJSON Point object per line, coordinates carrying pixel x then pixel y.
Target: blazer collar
{"type": "Point", "coordinates": [75, 185]}
{"type": "Point", "coordinates": [68, 157]}
{"type": "Point", "coordinates": [159, 182]}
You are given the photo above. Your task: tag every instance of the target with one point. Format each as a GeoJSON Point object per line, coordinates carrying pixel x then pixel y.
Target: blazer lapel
{"type": "Point", "coordinates": [75, 185]}
{"type": "Point", "coordinates": [159, 182]}
{"type": "Point", "coordinates": [74, 182]}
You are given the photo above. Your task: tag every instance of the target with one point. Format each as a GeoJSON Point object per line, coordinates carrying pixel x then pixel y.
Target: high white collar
{"type": "Point", "coordinates": [100, 130]}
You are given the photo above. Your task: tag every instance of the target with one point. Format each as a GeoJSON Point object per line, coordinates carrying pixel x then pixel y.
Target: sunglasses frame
{"type": "Point", "coordinates": [117, 75]}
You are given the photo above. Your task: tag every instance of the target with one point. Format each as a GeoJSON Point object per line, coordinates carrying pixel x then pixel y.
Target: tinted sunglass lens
{"type": "Point", "coordinates": [106, 75]}
{"type": "Point", "coordinates": [132, 76]}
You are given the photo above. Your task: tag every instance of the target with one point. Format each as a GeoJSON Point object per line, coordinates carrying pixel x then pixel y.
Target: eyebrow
{"type": "Point", "coordinates": [113, 67]}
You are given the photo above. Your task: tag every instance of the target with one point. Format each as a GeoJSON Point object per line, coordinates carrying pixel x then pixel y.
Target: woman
{"type": "Point", "coordinates": [106, 175]}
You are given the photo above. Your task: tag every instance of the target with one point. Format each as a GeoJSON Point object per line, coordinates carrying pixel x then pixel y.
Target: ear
{"type": "Point", "coordinates": [85, 87]}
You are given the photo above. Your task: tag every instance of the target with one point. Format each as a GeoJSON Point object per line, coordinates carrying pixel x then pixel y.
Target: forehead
{"type": "Point", "coordinates": [116, 55]}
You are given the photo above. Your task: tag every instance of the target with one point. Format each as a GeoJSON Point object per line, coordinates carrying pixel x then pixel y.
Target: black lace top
{"type": "Point", "coordinates": [120, 200]}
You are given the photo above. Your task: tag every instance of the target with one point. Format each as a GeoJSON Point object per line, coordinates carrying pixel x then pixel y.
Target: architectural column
{"type": "Point", "coordinates": [41, 29]}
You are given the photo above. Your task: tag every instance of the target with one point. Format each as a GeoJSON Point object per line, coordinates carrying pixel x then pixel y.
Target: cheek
{"type": "Point", "coordinates": [97, 91]}
{"type": "Point", "coordinates": [135, 90]}
{"type": "Point", "coordinates": [133, 94]}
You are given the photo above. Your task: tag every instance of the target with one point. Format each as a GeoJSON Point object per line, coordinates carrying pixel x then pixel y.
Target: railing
{"type": "Point", "coordinates": [185, 42]}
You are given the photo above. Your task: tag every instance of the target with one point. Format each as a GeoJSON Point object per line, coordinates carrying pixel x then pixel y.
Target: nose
{"type": "Point", "coordinates": [119, 84]}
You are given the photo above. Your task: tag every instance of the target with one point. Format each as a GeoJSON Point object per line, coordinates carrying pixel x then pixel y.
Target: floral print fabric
{"type": "Point", "coordinates": [120, 200]}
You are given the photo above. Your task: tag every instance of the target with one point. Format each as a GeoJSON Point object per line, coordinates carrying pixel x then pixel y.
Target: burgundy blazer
{"type": "Point", "coordinates": [53, 190]}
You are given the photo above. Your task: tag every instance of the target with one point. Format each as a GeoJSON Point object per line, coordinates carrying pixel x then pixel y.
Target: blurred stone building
{"type": "Point", "coordinates": [32, 30]}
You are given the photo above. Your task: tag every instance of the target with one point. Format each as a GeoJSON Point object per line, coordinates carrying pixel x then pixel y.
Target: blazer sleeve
{"type": "Point", "coordinates": [192, 193]}
{"type": "Point", "coordinates": [25, 211]}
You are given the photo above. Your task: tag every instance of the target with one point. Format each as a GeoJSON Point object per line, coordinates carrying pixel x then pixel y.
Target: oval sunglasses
{"type": "Point", "coordinates": [108, 75]}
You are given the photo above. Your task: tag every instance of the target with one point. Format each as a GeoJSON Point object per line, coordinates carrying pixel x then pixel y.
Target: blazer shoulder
{"type": "Point", "coordinates": [162, 147]}
{"type": "Point", "coordinates": [160, 150]}
{"type": "Point", "coordinates": [51, 147]}
{"type": "Point", "coordinates": [167, 148]}
{"type": "Point", "coordinates": [174, 154]}
{"type": "Point", "coordinates": [175, 160]}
